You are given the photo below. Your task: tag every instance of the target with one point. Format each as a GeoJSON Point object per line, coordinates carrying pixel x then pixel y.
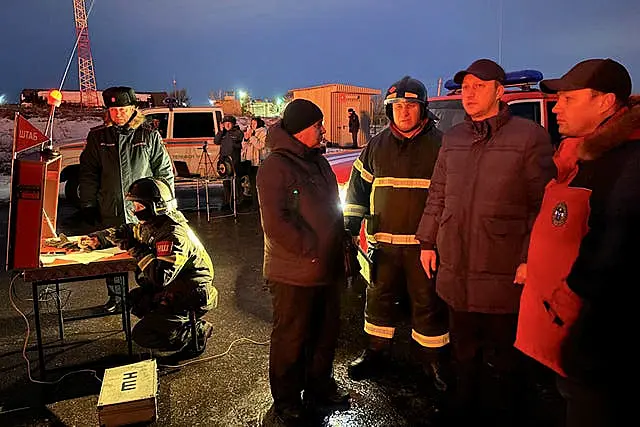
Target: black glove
{"type": "Point", "coordinates": [143, 233]}
{"type": "Point", "coordinates": [123, 238]}
{"type": "Point", "coordinates": [91, 215]}
{"type": "Point", "coordinates": [139, 250]}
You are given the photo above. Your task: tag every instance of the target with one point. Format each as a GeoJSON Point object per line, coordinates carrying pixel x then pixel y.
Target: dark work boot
{"type": "Point", "coordinates": [440, 374]}
{"type": "Point", "coordinates": [113, 304]}
{"type": "Point", "coordinates": [373, 361]}
{"type": "Point", "coordinates": [290, 414]}
{"type": "Point", "coordinates": [204, 332]}
{"type": "Point", "coordinates": [436, 365]}
{"type": "Point", "coordinates": [332, 395]}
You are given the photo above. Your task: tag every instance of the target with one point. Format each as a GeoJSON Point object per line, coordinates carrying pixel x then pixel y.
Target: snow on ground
{"type": "Point", "coordinates": [63, 130]}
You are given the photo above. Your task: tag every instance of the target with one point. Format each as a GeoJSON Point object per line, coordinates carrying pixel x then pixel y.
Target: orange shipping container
{"type": "Point", "coordinates": [335, 100]}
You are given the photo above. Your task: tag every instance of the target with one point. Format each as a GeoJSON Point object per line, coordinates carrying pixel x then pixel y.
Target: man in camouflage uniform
{"type": "Point", "coordinates": [174, 272]}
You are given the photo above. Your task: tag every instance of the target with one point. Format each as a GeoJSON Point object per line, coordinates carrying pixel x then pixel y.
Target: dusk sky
{"type": "Point", "coordinates": [270, 46]}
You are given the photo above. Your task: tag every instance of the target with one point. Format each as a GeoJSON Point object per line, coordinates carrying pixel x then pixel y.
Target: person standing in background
{"type": "Point", "coordinates": [354, 127]}
{"type": "Point", "coordinates": [254, 150]}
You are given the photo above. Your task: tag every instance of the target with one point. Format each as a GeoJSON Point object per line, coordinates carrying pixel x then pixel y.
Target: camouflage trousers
{"type": "Point", "coordinates": [161, 326]}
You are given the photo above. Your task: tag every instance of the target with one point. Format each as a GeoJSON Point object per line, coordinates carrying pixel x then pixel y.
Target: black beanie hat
{"type": "Point", "coordinates": [299, 115]}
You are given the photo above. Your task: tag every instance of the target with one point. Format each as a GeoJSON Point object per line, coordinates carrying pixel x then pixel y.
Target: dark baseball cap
{"type": "Point", "coordinates": [484, 69]}
{"type": "Point", "coordinates": [603, 75]}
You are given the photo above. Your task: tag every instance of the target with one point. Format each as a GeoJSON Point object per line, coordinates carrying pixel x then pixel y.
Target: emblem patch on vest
{"type": "Point", "coordinates": [164, 248]}
{"type": "Point", "coordinates": [560, 214]}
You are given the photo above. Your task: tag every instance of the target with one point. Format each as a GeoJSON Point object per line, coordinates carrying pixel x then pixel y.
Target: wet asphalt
{"type": "Point", "coordinates": [226, 386]}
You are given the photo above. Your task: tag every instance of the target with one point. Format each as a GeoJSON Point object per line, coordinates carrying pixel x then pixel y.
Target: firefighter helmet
{"type": "Point", "coordinates": [407, 89]}
{"type": "Point", "coordinates": [153, 193]}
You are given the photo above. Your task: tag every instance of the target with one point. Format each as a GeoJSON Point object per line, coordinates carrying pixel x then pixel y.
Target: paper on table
{"type": "Point", "coordinates": [82, 257]}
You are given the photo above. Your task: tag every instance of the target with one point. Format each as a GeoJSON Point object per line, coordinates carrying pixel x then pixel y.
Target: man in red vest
{"type": "Point", "coordinates": [574, 311]}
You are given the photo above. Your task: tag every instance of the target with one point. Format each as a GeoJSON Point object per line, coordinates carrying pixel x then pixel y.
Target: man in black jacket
{"type": "Point", "coordinates": [230, 138]}
{"type": "Point", "coordinates": [485, 194]}
{"type": "Point", "coordinates": [303, 261]}
{"type": "Point", "coordinates": [598, 354]}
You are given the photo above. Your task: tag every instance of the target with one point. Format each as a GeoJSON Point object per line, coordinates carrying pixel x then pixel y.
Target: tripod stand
{"type": "Point", "coordinates": [205, 172]}
{"type": "Point", "coordinates": [206, 167]}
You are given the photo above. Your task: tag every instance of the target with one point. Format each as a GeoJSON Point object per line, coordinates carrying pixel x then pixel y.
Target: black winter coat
{"type": "Point", "coordinates": [230, 142]}
{"type": "Point", "coordinates": [113, 159]}
{"type": "Point", "coordinates": [301, 215]}
{"type": "Point", "coordinates": [600, 346]}
{"type": "Point", "coordinates": [485, 194]}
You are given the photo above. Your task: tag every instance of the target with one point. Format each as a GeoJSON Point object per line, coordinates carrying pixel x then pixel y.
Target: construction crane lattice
{"type": "Point", "coordinates": [86, 71]}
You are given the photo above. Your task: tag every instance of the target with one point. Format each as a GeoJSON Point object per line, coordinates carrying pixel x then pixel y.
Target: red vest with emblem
{"type": "Point", "coordinates": [547, 306]}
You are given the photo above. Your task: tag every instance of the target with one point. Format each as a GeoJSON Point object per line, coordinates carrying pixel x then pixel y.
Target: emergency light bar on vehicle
{"type": "Point", "coordinates": [513, 78]}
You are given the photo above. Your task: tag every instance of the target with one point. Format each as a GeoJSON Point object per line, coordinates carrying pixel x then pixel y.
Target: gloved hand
{"type": "Point", "coordinates": [143, 233]}
{"type": "Point", "coordinates": [122, 237]}
{"type": "Point", "coordinates": [139, 251]}
{"type": "Point", "coordinates": [91, 215]}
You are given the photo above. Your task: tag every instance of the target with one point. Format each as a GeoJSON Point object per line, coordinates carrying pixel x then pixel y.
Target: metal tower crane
{"type": "Point", "coordinates": [86, 71]}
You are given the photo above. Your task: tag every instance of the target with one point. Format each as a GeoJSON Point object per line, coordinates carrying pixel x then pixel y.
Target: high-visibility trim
{"type": "Point", "coordinates": [431, 342]}
{"type": "Point", "coordinates": [180, 259]}
{"type": "Point", "coordinates": [365, 174]}
{"type": "Point", "coordinates": [402, 182]}
{"type": "Point", "coordinates": [379, 331]}
{"type": "Point", "coordinates": [392, 95]}
{"type": "Point", "coordinates": [410, 95]}
{"type": "Point", "coordinates": [393, 239]}
{"type": "Point", "coordinates": [170, 259]}
{"type": "Point", "coordinates": [136, 232]}
{"type": "Point", "coordinates": [355, 210]}
{"type": "Point", "coordinates": [144, 262]}
{"type": "Point", "coordinates": [365, 266]}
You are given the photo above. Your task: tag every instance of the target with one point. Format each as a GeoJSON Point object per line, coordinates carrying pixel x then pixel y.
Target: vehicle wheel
{"type": "Point", "coordinates": [71, 192]}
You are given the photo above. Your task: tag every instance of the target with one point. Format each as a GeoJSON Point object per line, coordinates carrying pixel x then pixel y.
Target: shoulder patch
{"type": "Point", "coordinates": [164, 248]}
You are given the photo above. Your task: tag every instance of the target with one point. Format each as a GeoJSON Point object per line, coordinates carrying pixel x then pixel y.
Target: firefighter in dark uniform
{"type": "Point", "coordinates": [174, 273]}
{"type": "Point", "coordinates": [388, 187]}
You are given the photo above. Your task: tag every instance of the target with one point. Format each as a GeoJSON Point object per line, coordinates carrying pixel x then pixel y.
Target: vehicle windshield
{"type": "Point", "coordinates": [449, 113]}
